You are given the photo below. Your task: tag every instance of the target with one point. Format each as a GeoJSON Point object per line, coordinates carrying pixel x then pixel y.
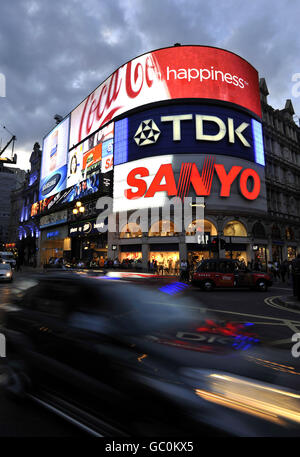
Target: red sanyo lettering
{"type": "Point", "coordinates": [250, 195]}
{"type": "Point", "coordinates": [199, 182]}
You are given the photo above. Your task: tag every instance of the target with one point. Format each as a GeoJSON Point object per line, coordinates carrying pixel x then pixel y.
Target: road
{"type": "Point", "coordinates": [277, 324]}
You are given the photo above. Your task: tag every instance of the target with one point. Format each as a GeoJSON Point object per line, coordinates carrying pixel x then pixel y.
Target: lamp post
{"type": "Point", "coordinates": [77, 211]}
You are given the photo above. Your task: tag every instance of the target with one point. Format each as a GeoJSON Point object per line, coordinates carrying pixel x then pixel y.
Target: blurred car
{"type": "Point", "coordinates": [6, 273]}
{"type": "Point", "coordinates": [228, 273]}
{"type": "Point", "coordinates": [8, 257]}
{"type": "Point", "coordinates": [120, 359]}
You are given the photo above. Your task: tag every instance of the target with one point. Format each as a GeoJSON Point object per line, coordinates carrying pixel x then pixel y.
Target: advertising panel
{"type": "Point", "coordinates": [188, 129]}
{"type": "Point", "coordinates": [87, 156]}
{"type": "Point", "coordinates": [183, 72]}
{"type": "Point", "coordinates": [54, 160]}
{"type": "Point", "coordinates": [222, 180]}
{"type": "Point", "coordinates": [95, 182]}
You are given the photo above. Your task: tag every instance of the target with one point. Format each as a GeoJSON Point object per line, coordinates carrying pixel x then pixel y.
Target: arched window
{"type": "Point", "coordinates": [131, 230]}
{"type": "Point", "coordinates": [276, 235]}
{"type": "Point", "coordinates": [289, 233]}
{"type": "Point", "coordinates": [208, 227]}
{"type": "Point", "coordinates": [163, 228]}
{"type": "Point", "coordinates": [258, 230]}
{"type": "Point", "coordinates": [235, 228]}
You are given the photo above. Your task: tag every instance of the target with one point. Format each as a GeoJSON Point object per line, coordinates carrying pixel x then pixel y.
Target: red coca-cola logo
{"type": "Point", "coordinates": [101, 106]}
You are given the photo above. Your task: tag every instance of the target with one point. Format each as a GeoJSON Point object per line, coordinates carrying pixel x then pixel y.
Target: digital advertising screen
{"type": "Point", "coordinates": [54, 160]}
{"type": "Point", "coordinates": [222, 180]}
{"type": "Point", "coordinates": [87, 156]}
{"type": "Point", "coordinates": [188, 129]}
{"type": "Point", "coordinates": [180, 72]}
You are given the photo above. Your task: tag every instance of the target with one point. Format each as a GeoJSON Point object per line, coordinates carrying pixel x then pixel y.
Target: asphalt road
{"type": "Point", "coordinates": [269, 320]}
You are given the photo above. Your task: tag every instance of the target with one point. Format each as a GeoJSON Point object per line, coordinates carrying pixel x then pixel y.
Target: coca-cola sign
{"type": "Point", "coordinates": [170, 73]}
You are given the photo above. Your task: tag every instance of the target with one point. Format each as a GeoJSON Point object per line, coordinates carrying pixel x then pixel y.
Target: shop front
{"type": "Point", "coordinates": [165, 257]}
{"type": "Point", "coordinates": [54, 241]}
{"type": "Point", "coordinates": [277, 247]}
{"type": "Point", "coordinates": [55, 244]}
{"type": "Point", "coordinates": [260, 255]}
{"type": "Point", "coordinates": [88, 245]}
{"type": "Point", "coordinates": [291, 253]}
{"type": "Point", "coordinates": [236, 251]}
{"type": "Point", "coordinates": [130, 256]}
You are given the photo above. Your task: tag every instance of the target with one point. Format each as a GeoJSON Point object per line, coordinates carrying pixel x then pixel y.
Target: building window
{"type": "Point", "coordinates": [289, 233]}
{"type": "Point", "coordinates": [276, 235]}
{"type": "Point", "coordinates": [208, 227]}
{"type": "Point", "coordinates": [163, 228]}
{"type": "Point", "coordinates": [235, 228]}
{"type": "Point", "coordinates": [258, 230]}
{"type": "Point", "coordinates": [131, 230]}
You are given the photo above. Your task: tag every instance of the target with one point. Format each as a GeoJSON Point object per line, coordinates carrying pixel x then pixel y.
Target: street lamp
{"type": "Point", "coordinates": [79, 208]}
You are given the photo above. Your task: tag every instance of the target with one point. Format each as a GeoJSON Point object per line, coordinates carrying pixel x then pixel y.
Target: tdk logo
{"type": "Point", "coordinates": [148, 132]}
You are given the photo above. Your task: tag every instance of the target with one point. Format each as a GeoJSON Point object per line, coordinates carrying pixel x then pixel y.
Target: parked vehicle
{"type": "Point", "coordinates": [8, 257]}
{"type": "Point", "coordinates": [6, 273]}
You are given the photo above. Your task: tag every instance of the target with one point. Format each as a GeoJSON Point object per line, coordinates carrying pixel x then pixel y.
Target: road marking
{"type": "Point", "coordinates": [284, 341]}
{"type": "Point", "coordinates": [282, 288]}
{"type": "Point", "coordinates": [282, 319]}
{"type": "Point", "coordinates": [269, 301]}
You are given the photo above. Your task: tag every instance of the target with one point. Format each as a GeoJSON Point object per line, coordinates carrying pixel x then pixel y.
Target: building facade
{"type": "Point", "coordinates": [28, 219]}
{"type": "Point", "coordinates": [167, 124]}
{"type": "Point", "coordinates": [10, 179]}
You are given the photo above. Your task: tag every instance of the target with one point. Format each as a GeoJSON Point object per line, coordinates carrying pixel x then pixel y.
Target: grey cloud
{"type": "Point", "coordinates": [54, 53]}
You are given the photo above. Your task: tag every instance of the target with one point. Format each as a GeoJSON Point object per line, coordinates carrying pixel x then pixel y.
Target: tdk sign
{"type": "Point", "coordinates": [148, 132]}
{"type": "Point", "coordinates": [189, 129]}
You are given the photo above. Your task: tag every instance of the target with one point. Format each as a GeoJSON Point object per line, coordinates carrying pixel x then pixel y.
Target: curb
{"type": "Point", "coordinates": [289, 302]}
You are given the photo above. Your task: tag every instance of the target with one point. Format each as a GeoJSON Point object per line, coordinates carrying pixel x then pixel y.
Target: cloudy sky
{"type": "Point", "coordinates": [53, 53]}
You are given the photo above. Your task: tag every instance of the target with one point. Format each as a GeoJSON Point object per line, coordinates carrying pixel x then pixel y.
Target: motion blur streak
{"type": "Point", "coordinates": [261, 400]}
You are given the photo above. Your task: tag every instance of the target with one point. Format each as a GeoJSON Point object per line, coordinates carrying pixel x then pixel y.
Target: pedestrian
{"type": "Point", "coordinates": [276, 269]}
{"type": "Point", "coordinates": [296, 276]}
{"type": "Point", "coordinates": [183, 270]}
{"type": "Point", "coordinates": [283, 271]}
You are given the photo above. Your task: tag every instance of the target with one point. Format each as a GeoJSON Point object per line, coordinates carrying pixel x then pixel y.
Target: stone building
{"type": "Point", "coordinates": [282, 153]}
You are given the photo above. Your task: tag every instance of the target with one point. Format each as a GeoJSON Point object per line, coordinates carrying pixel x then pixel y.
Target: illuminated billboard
{"type": "Point", "coordinates": [54, 160]}
{"type": "Point", "coordinates": [87, 156]}
{"type": "Point", "coordinates": [188, 129]}
{"type": "Point", "coordinates": [221, 179]}
{"type": "Point", "coordinates": [183, 72]}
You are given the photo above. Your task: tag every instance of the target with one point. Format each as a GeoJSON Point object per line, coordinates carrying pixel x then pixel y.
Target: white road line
{"type": "Point", "coordinates": [282, 319]}
{"type": "Point", "coordinates": [286, 340]}
{"type": "Point", "coordinates": [292, 326]}
{"type": "Point", "coordinates": [282, 288]}
{"type": "Point", "coordinates": [269, 301]}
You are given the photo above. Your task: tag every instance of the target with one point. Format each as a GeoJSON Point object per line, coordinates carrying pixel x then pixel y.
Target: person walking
{"type": "Point", "coordinates": [283, 271]}
{"type": "Point", "coordinates": [296, 276]}
{"type": "Point", "coordinates": [183, 270]}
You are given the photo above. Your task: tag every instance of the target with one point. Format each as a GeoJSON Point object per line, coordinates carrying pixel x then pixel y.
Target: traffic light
{"type": "Point", "coordinates": [222, 244]}
{"type": "Point", "coordinates": [215, 244]}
